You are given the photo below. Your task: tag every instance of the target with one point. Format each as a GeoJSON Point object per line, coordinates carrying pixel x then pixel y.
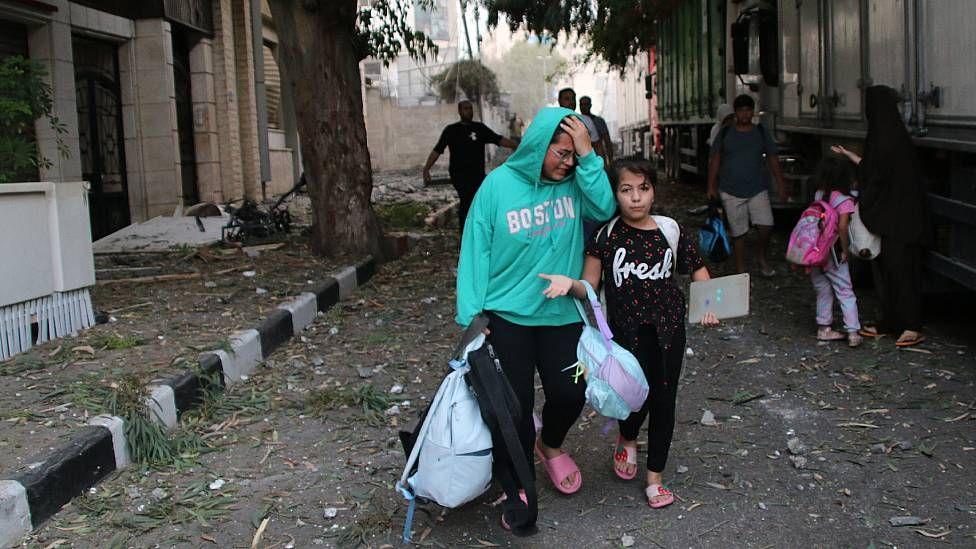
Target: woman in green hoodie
{"type": "Point", "coordinates": [526, 219]}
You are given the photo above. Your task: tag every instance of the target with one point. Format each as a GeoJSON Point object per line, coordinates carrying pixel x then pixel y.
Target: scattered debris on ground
{"type": "Point", "coordinates": [307, 448]}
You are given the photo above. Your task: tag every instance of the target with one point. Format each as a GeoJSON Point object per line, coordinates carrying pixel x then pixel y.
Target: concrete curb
{"type": "Point", "coordinates": [29, 497]}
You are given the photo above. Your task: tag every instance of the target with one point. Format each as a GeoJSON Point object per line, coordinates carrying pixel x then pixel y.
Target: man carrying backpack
{"type": "Point", "coordinates": [735, 174]}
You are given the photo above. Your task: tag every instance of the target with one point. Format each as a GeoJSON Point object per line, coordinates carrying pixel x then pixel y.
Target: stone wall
{"type": "Point", "coordinates": [50, 45]}
{"type": "Point", "coordinates": [154, 137]}
{"type": "Point", "coordinates": [247, 111]}
{"type": "Point", "coordinates": [206, 140]}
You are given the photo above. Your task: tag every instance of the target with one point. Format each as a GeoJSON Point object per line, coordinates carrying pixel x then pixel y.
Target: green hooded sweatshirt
{"type": "Point", "coordinates": [520, 225]}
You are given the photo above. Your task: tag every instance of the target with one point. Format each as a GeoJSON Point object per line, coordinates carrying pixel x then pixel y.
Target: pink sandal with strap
{"type": "Point", "coordinates": [559, 469]}
{"type": "Point", "coordinates": [624, 453]}
{"type": "Point", "coordinates": [655, 490]}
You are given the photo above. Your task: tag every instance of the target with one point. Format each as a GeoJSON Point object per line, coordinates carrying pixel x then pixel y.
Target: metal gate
{"type": "Point", "coordinates": [100, 133]}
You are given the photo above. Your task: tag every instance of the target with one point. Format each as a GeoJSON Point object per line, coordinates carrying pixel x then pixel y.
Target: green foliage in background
{"type": "Point", "coordinates": [383, 31]}
{"type": "Point", "coordinates": [616, 30]}
{"type": "Point", "coordinates": [528, 71]}
{"type": "Point", "coordinates": [470, 78]}
{"type": "Point", "coordinates": [25, 96]}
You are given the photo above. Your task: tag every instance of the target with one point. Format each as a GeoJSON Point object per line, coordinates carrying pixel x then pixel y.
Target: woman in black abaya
{"type": "Point", "coordinates": [892, 204]}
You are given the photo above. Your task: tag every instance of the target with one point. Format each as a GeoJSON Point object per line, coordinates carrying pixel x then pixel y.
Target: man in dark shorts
{"type": "Point", "coordinates": [466, 139]}
{"type": "Point", "coordinates": [735, 174]}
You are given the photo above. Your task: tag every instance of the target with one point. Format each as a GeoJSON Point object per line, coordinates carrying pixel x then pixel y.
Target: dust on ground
{"type": "Point", "coordinates": [155, 330]}
{"type": "Point", "coordinates": [811, 445]}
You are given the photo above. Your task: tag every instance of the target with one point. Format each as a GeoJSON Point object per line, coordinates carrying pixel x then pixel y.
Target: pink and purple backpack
{"type": "Point", "coordinates": [814, 234]}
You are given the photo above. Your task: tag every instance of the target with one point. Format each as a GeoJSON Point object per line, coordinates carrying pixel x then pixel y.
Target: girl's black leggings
{"type": "Point", "coordinates": [523, 350]}
{"type": "Point", "coordinates": [662, 369]}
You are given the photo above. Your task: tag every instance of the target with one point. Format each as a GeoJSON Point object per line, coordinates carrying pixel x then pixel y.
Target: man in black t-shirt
{"type": "Point", "coordinates": [466, 139]}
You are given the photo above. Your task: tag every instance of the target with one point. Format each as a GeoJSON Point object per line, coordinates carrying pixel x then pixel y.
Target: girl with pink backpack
{"type": "Point", "coordinates": [830, 272]}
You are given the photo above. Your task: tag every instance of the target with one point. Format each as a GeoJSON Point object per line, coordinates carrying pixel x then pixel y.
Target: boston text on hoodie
{"type": "Point", "coordinates": [521, 225]}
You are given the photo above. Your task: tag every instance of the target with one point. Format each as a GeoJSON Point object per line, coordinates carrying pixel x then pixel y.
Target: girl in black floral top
{"type": "Point", "coordinates": [637, 256]}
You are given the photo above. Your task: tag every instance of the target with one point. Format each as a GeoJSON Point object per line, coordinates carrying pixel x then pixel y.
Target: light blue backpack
{"type": "Point", "coordinates": [452, 452]}
{"type": "Point", "coordinates": [615, 384]}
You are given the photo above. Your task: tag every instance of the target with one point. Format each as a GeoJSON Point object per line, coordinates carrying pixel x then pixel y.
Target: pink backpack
{"type": "Point", "coordinates": [814, 234]}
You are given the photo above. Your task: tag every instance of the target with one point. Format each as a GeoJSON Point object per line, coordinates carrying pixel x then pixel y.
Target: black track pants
{"type": "Point", "coordinates": [523, 350]}
{"type": "Point", "coordinates": [466, 185]}
{"type": "Point", "coordinates": [663, 370]}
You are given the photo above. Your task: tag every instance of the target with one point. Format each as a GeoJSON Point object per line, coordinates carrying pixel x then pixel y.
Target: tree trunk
{"type": "Point", "coordinates": [317, 45]}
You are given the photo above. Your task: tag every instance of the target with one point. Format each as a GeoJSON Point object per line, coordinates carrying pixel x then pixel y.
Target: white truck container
{"type": "Point", "coordinates": [832, 50]}
{"type": "Point", "coordinates": [808, 64]}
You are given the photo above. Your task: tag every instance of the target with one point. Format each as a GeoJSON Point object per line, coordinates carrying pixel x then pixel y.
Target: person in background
{"type": "Point", "coordinates": [567, 100]}
{"type": "Point", "coordinates": [466, 139]}
{"type": "Point", "coordinates": [892, 204]}
{"type": "Point", "coordinates": [724, 116]}
{"type": "Point", "coordinates": [735, 174]}
{"type": "Point", "coordinates": [834, 178]}
{"type": "Point", "coordinates": [585, 106]}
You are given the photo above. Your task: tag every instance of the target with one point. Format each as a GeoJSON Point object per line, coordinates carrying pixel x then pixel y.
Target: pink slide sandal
{"type": "Point", "coordinates": [559, 468]}
{"type": "Point", "coordinates": [624, 453]}
{"type": "Point", "coordinates": [655, 490]}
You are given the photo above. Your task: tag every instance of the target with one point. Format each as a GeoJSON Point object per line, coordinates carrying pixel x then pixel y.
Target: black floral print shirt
{"type": "Point", "coordinates": [638, 269]}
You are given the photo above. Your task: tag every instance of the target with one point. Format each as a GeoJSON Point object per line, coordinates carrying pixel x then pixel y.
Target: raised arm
{"type": "Point", "coordinates": [852, 156]}
{"type": "Point", "coordinates": [598, 202]}
{"type": "Point", "coordinates": [508, 143]}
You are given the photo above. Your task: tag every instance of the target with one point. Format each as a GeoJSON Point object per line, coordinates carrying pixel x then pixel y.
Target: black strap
{"type": "Point", "coordinates": [521, 517]}
{"type": "Point", "coordinates": [500, 409]}
{"type": "Point", "coordinates": [477, 326]}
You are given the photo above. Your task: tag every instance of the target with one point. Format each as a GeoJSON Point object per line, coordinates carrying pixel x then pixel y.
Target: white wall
{"type": "Point", "coordinates": [401, 137]}
{"type": "Point", "coordinates": [631, 103]}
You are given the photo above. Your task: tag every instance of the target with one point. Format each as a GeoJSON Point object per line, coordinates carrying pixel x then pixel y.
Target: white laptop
{"type": "Point", "coordinates": [727, 297]}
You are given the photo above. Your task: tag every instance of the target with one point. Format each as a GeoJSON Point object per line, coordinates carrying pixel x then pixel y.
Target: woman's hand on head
{"type": "Point", "coordinates": [559, 285]}
{"type": "Point", "coordinates": [578, 133]}
{"type": "Point", "coordinates": [709, 319]}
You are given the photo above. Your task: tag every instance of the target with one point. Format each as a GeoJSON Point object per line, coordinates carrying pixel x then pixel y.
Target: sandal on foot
{"type": "Point", "coordinates": [870, 331]}
{"type": "Point", "coordinates": [624, 454]}
{"type": "Point", "coordinates": [655, 490]}
{"type": "Point", "coordinates": [854, 339]}
{"type": "Point", "coordinates": [502, 499]}
{"type": "Point", "coordinates": [559, 469]}
{"type": "Point", "coordinates": [909, 341]}
{"type": "Point", "coordinates": [829, 334]}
